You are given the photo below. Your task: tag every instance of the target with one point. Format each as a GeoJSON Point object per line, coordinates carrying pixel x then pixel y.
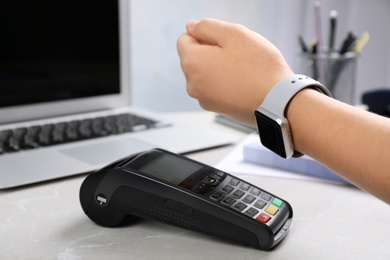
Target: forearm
{"type": "Point", "coordinates": [230, 69]}
{"type": "Point", "coordinates": [352, 142]}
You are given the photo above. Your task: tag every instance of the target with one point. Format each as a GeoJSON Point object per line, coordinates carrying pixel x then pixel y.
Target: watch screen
{"type": "Point", "coordinates": [270, 134]}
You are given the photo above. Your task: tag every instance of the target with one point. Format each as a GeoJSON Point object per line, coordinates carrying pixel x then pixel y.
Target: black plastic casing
{"type": "Point", "coordinates": [109, 195]}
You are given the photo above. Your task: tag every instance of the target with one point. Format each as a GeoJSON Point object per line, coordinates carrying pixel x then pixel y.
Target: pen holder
{"type": "Point", "coordinates": [336, 72]}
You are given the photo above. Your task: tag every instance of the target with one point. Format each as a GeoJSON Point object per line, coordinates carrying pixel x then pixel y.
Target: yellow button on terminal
{"type": "Point", "coordinates": [272, 209]}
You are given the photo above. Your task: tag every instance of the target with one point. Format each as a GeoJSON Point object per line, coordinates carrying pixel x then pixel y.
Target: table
{"type": "Point", "coordinates": [45, 221]}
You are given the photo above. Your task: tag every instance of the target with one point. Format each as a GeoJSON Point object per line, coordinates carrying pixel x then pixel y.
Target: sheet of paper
{"type": "Point", "coordinates": [234, 163]}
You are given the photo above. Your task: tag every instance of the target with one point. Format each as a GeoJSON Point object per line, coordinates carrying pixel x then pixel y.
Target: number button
{"type": "Point", "coordinates": [240, 206]}
{"type": "Point", "coordinates": [216, 195]}
{"type": "Point", "coordinates": [234, 182]}
{"type": "Point", "coordinates": [260, 204]}
{"type": "Point", "coordinates": [238, 194]}
{"type": "Point", "coordinates": [255, 191]}
{"type": "Point", "coordinates": [227, 189]}
{"type": "Point", "coordinates": [249, 199]}
{"type": "Point", "coordinates": [251, 212]}
{"type": "Point", "coordinates": [228, 201]}
{"type": "Point", "coordinates": [244, 186]}
{"type": "Point", "coordinates": [265, 196]}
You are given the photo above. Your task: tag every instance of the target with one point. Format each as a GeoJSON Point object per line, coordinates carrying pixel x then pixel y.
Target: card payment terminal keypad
{"type": "Point", "coordinates": [247, 199]}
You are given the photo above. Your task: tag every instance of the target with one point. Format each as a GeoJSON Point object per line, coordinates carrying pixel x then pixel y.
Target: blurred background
{"type": "Point", "coordinates": [159, 84]}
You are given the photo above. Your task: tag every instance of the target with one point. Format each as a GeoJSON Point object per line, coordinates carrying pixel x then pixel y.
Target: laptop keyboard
{"type": "Point", "coordinates": [13, 140]}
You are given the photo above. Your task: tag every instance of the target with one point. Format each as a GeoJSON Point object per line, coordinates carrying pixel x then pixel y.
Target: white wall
{"type": "Point", "coordinates": [158, 82]}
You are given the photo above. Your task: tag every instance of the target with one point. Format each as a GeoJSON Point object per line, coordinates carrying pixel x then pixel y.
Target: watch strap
{"type": "Point", "coordinates": [280, 95]}
{"type": "Point", "coordinates": [274, 106]}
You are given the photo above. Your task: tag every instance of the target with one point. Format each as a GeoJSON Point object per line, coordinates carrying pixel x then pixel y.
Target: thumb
{"type": "Point", "coordinates": [207, 31]}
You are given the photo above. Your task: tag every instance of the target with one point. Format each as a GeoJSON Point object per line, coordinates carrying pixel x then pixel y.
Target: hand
{"type": "Point", "coordinates": [229, 68]}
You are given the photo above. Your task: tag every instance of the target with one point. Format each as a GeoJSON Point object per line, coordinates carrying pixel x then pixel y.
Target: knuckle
{"type": "Point", "coordinates": [191, 91]}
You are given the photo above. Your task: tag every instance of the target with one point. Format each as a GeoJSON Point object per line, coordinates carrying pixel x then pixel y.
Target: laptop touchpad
{"type": "Point", "coordinates": [106, 152]}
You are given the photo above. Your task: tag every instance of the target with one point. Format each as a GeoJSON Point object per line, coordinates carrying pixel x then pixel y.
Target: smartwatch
{"type": "Point", "coordinates": [272, 125]}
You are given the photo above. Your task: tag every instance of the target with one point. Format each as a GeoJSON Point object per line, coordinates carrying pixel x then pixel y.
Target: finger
{"type": "Point", "coordinates": [184, 42]}
{"type": "Point", "coordinates": [208, 31]}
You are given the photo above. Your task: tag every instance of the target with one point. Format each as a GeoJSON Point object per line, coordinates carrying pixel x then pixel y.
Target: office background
{"type": "Point", "coordinates": [159, 84]}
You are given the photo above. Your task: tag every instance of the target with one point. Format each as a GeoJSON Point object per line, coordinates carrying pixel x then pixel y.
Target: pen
{"type": "Point", "coordinates": [314, 46]}
{"type": "Point", "coordinates": [361, 42]}
{"type": "Point", "coordinates": [340, 64]}
{"type": "Point", "coordinates": [303, 44]}
{"type": "Point", "coordinates": [314, 50]}
{"type": "Point", "coordinates": [318, 66]}
{"type": "Point", "coordinates": [347, 43]}
{"type": "Point", "coordinates": [317, 13]}
{"type": "Point", "coordinates": [332, 30]}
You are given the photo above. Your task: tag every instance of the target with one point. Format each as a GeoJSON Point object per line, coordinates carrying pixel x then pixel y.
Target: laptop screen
{"type": "Point", "coordinates": [58, 50]}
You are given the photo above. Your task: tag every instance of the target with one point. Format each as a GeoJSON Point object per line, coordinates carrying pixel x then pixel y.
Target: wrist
{"type": "Point", "coordinates": [305, 114]}
{"type": "Point", "coordinates": [273, 126]}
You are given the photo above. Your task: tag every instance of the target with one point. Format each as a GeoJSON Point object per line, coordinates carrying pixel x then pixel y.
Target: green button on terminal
{"type": "Point", "coordinates": [277, 202]}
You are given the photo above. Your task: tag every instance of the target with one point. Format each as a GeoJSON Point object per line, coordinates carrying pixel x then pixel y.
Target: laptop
{"type": "Point", "coordinates": [65, 93]}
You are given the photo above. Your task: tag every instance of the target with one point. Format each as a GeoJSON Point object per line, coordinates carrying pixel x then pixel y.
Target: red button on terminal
{"type": "Point", "coordinates": [264, 218]}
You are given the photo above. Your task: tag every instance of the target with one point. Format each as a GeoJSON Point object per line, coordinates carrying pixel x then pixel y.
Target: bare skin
{"type": "Point", "coordinates": [230, 69]}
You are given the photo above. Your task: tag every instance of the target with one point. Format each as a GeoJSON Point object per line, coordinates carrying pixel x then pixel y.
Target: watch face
{"type": "Point", "coordinates": [270, 132]}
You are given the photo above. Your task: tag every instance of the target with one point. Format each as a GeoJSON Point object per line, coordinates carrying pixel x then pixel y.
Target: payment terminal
{"type": "Point", "coordinates": [173, 189]}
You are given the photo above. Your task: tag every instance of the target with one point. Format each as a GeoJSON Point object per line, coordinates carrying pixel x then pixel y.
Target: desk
{"type": "Point", "coordinates": [46, 221]}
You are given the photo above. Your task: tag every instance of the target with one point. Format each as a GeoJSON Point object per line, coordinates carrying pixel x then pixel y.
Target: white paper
{"type": "Point", "coordinates": [234, 163]}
